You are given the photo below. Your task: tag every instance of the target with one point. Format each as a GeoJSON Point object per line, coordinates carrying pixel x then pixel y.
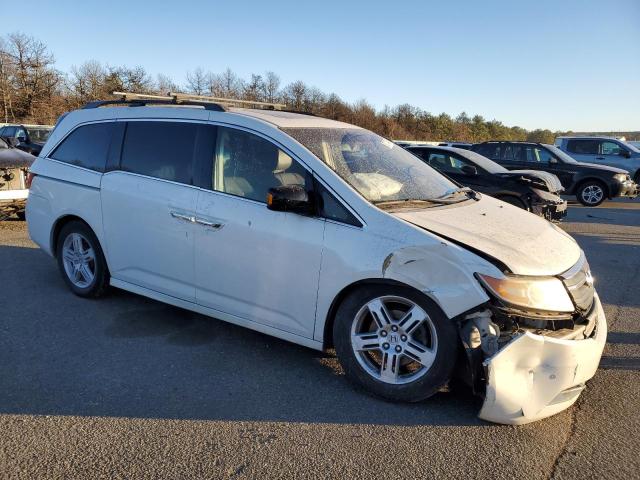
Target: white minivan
{"type": "Point", "coordinates": [326, 235]}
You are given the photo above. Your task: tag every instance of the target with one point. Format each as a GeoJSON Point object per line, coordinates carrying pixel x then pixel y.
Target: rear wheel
{"type": "Point", "coordinates": [81, 260]}
{"type": "Point", "coordinates": [395, 342]}
{"type": "Point", "coordinates": [591, 193]}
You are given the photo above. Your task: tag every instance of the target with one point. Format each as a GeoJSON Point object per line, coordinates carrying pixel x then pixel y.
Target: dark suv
{"type": "Point", "coordinates": [590, 183]}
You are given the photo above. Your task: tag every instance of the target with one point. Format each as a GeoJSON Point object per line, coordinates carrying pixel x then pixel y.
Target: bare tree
{"type": "Point", "coordinates": [164, 84]}
{"type": "Point", "coordinates": [271, 87]}
{"type": "Point", "coordinates": [197, 81]}
{"type": "Point", "coordinates": [254, 89]}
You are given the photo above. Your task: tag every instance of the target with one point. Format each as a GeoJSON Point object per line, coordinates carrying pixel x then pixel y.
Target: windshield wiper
{"type": "Point", "coordinates": [454, 196]}
{"type": "Point", "coordinates": [406, 202]}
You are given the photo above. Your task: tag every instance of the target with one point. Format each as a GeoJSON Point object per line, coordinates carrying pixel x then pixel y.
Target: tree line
{"type": "Point", "coordinates": [33, 90]}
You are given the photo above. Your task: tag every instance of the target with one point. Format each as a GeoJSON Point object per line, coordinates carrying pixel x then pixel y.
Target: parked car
{"type": "Point", "coordinates": [635, 144]}
{"type": "Point", "coordinates": [324, 234]}
{"type": "Point", "coordinates": [590, 183]}
{"type": "Point", "coordinates": [603, 151]}
{"type": "Point", "coordinates": [535, 191]}
{"type": "Point", "coordinates": [14, 168]}
{"type": "Point", "coordinates": [30, 138]}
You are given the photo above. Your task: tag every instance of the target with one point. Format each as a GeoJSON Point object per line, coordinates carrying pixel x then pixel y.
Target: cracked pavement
{"type": "Point", "coordinates": [126, 387]}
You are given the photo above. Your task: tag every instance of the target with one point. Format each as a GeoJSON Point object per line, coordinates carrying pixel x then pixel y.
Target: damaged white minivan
{"type": "Point", "coordinates": [326, 235]}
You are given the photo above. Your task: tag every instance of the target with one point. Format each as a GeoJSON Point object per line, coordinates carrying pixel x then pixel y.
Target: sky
{"type": "Point", "coordinates": [561, 65]}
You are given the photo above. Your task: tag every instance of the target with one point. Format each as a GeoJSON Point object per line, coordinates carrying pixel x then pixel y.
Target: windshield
{"type": "Point", "coordinates": [560, 154]}
{"type": "Point", "coordinates": [633, 146]}
{"type": "Point", "coordinates": [377, 168]}
{"type": "Point", "coordinates": [39, 134]}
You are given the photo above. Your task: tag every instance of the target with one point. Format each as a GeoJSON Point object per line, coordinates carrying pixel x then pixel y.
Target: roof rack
{"type": "Point", "coordinates": [208, 103]}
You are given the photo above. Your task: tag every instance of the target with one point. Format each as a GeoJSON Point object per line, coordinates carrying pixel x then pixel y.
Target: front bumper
{"type": "Point", "coordinates": [536, 376]}
{"type": "Point", "coordinates": [628, 189]}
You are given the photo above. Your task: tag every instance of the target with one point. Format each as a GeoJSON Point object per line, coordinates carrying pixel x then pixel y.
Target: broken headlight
{"type": "Point", "coordinates": [532, 293]}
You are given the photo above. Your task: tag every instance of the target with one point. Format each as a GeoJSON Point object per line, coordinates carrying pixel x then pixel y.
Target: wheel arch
{"type": "Point", "coordinates": [59, 224]}
{"type": "Point", "coordinates": [502, 196]}
{"type": "Point", "coordinates": [582, 181]}
{"type": "Point", "coordinates": [327, 336]}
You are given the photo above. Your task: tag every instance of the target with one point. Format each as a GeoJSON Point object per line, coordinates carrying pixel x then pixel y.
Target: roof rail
{"type": "Point", "coordinates": [208, 103]}
{"type": "Point", "coordinates": [231, 102]}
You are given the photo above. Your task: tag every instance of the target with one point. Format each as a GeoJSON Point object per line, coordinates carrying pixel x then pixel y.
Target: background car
{"type": "Point", "coordinates": [30, 138]}
{"type": "Point", "coordinates": [537, 192]}
{"type": "Point", "coordinates": [463, 145]}
{"type": "Point", "coordinates": [603, 151]}
{"type": "Point", "coordinates": [590, 183]}
{"type": "Point", "coordinates": [14, 167]}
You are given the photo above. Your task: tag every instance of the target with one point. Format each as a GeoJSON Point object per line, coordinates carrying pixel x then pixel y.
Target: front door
{"type": "Point", "coordinates": [252, 262]}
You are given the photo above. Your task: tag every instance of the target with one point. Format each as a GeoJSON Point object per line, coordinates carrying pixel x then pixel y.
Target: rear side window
{"type": "Point", "coordinates": [489, 150]}
{"type": "Point", "coordinates": [161, 149]}
{"type": "Point", "coordinates": [86, 146]}
{"type": "Point", "coordinates": [587, 147]}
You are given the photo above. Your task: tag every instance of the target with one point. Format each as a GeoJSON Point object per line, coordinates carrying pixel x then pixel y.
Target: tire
{"type": "Point", "coordinates": [516, 202]}
{"type": "Point", "coordinates": [591, 193]}
{"type": "Point", "coordinates": [81, 261]}
{"type": "Point", "coordinates": [436, 336]}
{"type": "Point", "coordinates": [22, 215]}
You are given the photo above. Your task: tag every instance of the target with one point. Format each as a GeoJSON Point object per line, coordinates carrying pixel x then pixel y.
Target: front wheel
{"type": "Point", "coordinates": [591, 194]}
{"type": "Point", "coordinates": [395, 342]}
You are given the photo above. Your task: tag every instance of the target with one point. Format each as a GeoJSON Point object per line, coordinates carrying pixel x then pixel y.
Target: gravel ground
{"type": "Point", "coordinates": [126, 387]}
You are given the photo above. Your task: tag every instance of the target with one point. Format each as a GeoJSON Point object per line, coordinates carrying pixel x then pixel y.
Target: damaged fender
{"type": "Point", "coordinates": [536, 376]}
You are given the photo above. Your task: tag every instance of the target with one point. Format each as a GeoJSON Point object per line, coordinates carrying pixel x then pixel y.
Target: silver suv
{"type": "Point", "coordinates": [603, 151]}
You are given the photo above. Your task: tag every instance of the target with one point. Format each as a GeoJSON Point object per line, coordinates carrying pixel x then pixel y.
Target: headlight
{"type": "Point", "coordinates": [532, 293]}
{"type": "Point", "coordinates": [621, 177]}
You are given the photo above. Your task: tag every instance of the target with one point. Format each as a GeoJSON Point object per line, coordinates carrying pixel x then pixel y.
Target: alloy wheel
{"type": "Point", "coordinates": [394, 339]}
{"type": "Point", "coordinates": [592, 194]}
{"type": "Point", "coordinates": [79, 260]}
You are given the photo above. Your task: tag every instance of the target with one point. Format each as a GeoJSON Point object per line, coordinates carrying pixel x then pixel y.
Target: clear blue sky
{"type": "Point", "coordinates": [537, 63]}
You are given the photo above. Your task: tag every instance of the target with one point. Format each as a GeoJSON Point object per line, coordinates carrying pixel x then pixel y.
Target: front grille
{"type": "Point", "coordinates": [579, 283]}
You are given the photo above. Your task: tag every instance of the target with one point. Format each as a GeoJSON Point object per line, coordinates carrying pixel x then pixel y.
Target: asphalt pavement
{"type": "Point", "coordinates": [126, 387]}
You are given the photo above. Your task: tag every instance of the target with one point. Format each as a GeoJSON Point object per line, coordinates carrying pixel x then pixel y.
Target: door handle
{"type": "Point", "coordinates": [205, 223]}
{"type": "Point", "coordinates": [182, 216]}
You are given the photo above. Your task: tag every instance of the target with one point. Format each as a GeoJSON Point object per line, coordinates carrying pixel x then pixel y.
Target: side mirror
{"type": "Point", "coordinates": [553, 160]}
{"type": "Point", "coordinates": [290, 198]}
{"type": "Point", "coordinates": [22, 139]}
{"type": "Point", "coordinates": [625, 153]}
{"type": "Point", "coordinates": [469, 170]}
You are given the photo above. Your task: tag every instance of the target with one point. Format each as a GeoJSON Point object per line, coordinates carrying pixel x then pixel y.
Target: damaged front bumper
{"type": "Point", "coordinates": [535, 376]}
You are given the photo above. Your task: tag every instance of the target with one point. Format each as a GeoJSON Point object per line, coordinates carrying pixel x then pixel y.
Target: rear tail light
{"type": "Point", "coordinates": [30, 177]}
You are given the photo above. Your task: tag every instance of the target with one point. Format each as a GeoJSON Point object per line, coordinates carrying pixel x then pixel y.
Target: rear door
{"type": "Point", "coordinates": [252, 262]}
{"type": "Point", "coordinates": [148, 204]}
{"type": "Point", "coordinates": [583, 149]}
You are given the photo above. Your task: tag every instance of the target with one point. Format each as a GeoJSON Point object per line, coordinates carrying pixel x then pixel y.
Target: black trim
{"type": "Point", "coordinates": [215, 107]}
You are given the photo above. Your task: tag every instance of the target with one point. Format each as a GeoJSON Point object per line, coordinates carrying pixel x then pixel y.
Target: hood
{"type": "Point", "coordinates": [15, 158]}
{"type": "Point", "coordinates": [599, 167]}
{"type": "Point", "coordinates": [548, 181]}
{"type": "Point", "coordinates": [525, 243]}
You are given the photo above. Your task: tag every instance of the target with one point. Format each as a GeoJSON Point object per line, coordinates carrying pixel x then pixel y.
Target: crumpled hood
{"type": "Point", "coordinates": [525, 243]}
{"type": "Point", "coordinates": [551, 181]}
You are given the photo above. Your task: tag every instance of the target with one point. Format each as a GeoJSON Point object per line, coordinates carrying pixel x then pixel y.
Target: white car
{"type": "Point", "coordinates": [326, 235]}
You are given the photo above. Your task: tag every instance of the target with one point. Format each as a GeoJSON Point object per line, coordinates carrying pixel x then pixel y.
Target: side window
{"type": "Point", "coordinates": [610, 148]}
{"type": "Point", "coordinates": [585, 147]}
{"type": "Point", "coordinates": [489, 150]}
{"type": "Point", "coordinates": [247, 165]}
{"type": "Point", "coordinates": [329, 207]}
{"type": "Point", "coordinates": [86, 146]}
{"type": "Point", "coordinates": [10, 132]}
{"type": "Point", "coordinates": [21, 133]}
{"type": "Point", "coordinates": [420, 152]}
{"type": "Point", "coordinates": [161, 149]}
